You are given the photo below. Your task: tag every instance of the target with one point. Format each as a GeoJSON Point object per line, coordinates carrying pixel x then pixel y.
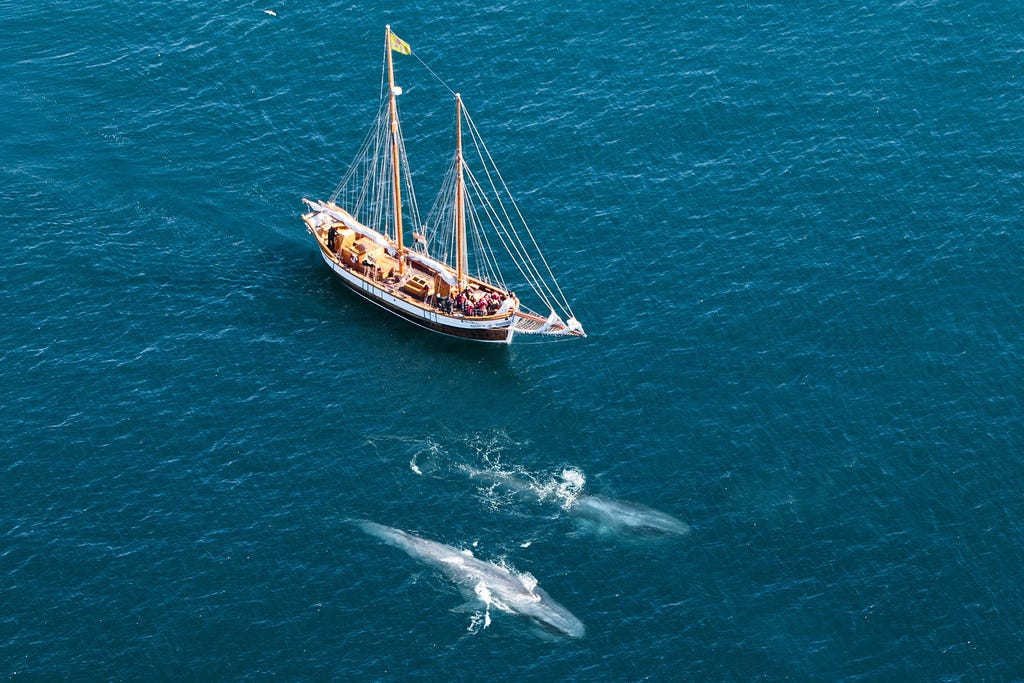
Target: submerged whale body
{"type": "Point", "coordinates": [616, 515]}
{"type": "Point", "coordinates": [627, 517]}
{"type": "Point", "coordinates": [487, 582]}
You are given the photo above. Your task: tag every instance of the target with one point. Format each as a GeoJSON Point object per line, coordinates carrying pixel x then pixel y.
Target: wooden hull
{"type": "Point", "coordinates": [488, 330]}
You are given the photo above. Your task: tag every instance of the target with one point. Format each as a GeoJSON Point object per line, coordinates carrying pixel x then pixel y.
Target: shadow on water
{"type": "Point", "coordinates": [388, 328]}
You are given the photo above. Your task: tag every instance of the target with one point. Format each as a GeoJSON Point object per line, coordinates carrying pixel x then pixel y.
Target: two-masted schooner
{"type": "Point", "coordinates": [450, 280]}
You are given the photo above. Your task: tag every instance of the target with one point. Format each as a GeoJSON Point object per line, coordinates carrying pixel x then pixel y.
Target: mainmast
{"type": "Point", "coordinates": [395, 175]}
{"type": "Point", "coordinates": [460, 200]}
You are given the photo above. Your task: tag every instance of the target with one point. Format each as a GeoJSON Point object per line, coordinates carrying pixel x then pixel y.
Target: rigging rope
{"type": "Point", "coordinates": [373, 162]}
{"type": "Point", "coordinates": [483, 147]}
{"type": "Point", "coordinates": [432, 73]}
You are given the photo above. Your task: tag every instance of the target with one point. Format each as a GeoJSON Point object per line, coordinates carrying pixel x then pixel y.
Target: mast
{"type": "Point", "coordinates": [395, 175]}
{"type": "Point", "coordinates": [460, 200]}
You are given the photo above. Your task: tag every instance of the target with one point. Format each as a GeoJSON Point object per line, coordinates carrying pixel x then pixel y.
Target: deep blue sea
{"type": "Point", "coordinates": [792, 230]}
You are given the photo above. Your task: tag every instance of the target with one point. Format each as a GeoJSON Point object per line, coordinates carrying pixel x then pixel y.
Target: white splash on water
{"type": "Point", "coordinates": [570, 487]}
{"type": "Point", "coordinates": [528, 580]}
{"type": "Point", "coordinates": [481, 621]}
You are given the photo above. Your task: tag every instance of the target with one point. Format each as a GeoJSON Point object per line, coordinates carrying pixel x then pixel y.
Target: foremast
{"type": "Point", "coordinates": [480, 309]}
{"type": "Point", "coordinates": [395, 170]}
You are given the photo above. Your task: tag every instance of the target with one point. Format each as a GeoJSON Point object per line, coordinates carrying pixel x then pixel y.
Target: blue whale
{"type": "Point", "coordinates": [618, 516]}
{"type": "Point", "coordinates": [486, 582]}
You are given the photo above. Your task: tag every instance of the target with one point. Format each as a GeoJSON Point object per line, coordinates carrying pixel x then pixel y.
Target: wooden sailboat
{"type": "Point", "coordinates": [439, 283]}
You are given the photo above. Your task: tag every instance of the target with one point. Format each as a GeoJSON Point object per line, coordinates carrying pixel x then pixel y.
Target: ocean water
{"type": "Point", "coordinates": [791, 229]}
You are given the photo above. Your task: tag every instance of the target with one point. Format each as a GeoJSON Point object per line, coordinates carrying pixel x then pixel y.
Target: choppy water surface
{"type": "Point", "coordinates": [791, 229]}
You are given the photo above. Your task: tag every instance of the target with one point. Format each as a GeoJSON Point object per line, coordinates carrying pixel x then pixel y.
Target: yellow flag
{"type": "Point", "coordinates": [399, 45]}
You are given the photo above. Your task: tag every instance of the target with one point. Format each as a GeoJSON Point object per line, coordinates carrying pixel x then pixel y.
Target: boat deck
{"type": "Point", "coordinates": [418, 285]}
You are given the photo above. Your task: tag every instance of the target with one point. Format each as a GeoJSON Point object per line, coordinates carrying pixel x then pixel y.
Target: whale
{"type": "Point", "coordinates": [628, 518]}
{"type": "Point", "coordinates": [487, 583]}
{"type": "Point", "coordinates": [614, 515]}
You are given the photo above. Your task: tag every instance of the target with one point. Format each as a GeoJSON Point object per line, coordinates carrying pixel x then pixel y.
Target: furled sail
{"type": "Point", "coordinates": [481, 252]}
